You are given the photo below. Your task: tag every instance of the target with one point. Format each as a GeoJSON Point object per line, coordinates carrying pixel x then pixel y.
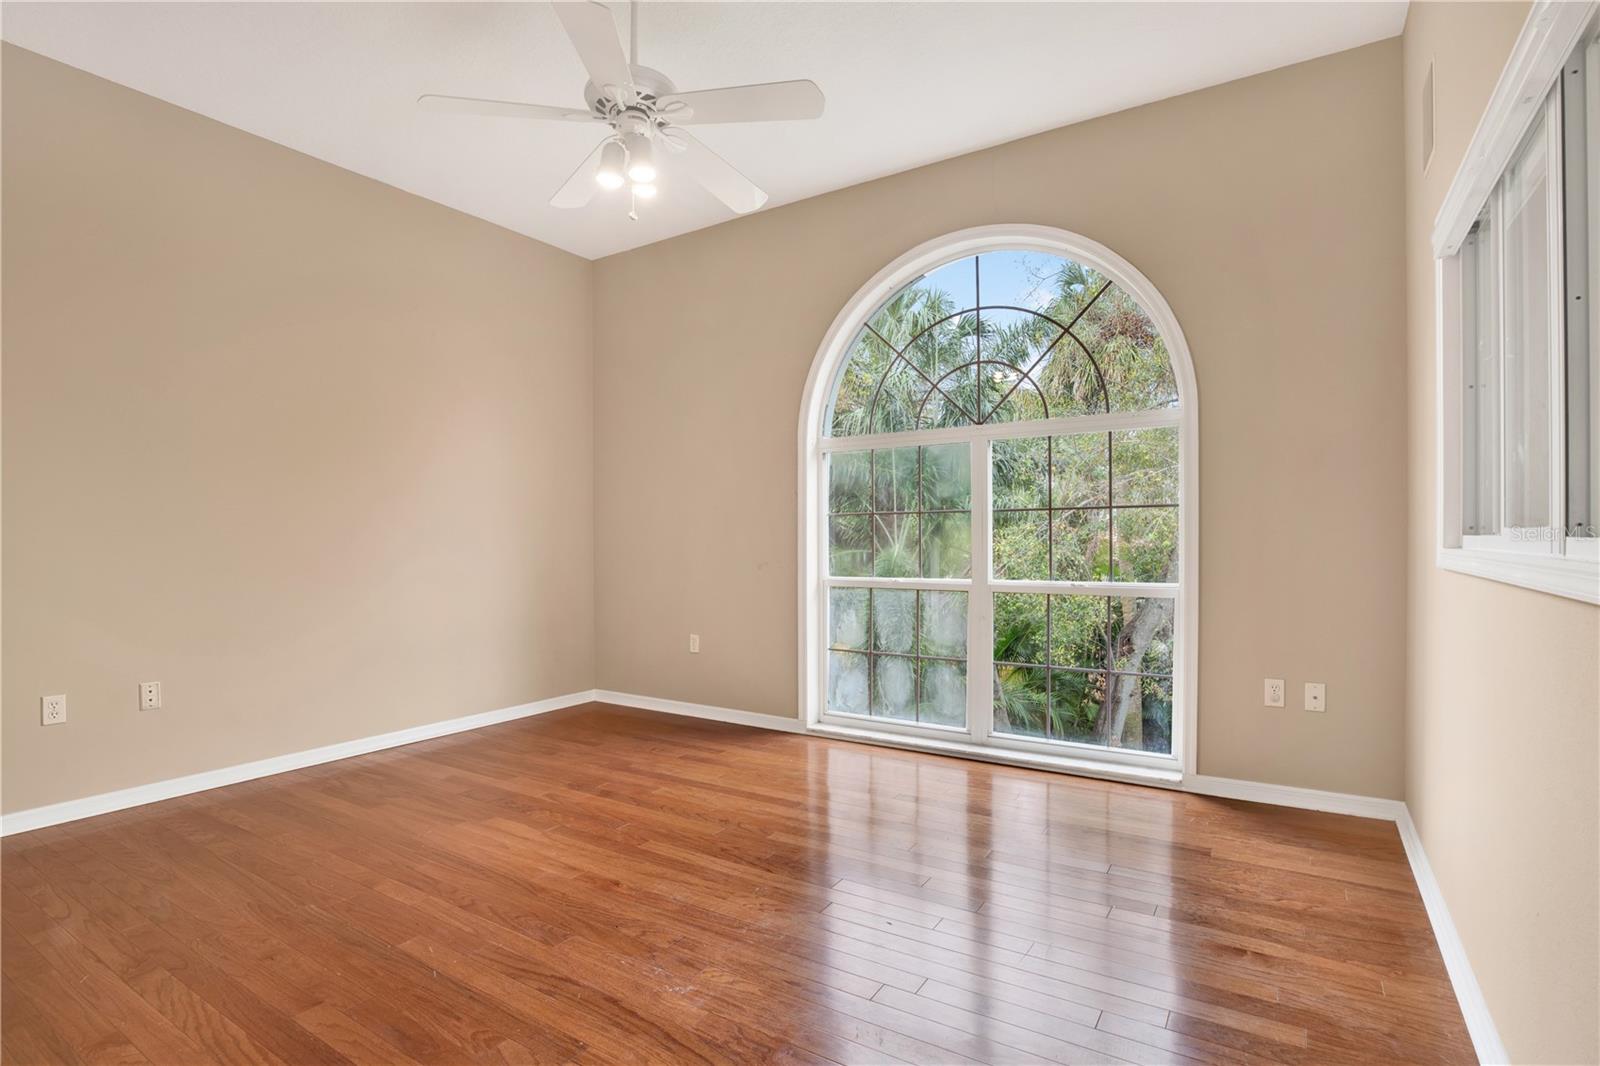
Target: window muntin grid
{"type": "Point", "coordinates": [938, 354]}
{"type": "Point", "coordinates": [874, 630]}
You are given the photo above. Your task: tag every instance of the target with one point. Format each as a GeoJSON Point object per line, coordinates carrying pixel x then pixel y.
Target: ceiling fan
{"type": "Point", "coordinates": [645, 111]}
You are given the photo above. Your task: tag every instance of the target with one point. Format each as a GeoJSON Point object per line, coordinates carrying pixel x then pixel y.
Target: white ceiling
{"type": "Point", "coordinates": [907, 83]}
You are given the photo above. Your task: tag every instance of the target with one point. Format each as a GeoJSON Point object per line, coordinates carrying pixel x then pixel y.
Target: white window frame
{"type": "Point", "coordinates": [975, 741]}
{"type": "Point", "coordinates": [1549, 562]}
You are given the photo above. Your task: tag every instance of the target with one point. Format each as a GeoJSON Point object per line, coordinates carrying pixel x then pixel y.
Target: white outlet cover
{"type": "Point", "coordinates": [1316, 696]}
{"type": "Point", "coordinates": [52, 710]}
{"type": "Point", "coordinates": [1272, 692]}
{"type": "Point", "coordinates": [149, 695]}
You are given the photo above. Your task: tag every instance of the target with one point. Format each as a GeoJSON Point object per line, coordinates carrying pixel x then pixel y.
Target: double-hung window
{"type": "Point", "coordinates": [1519, 281]}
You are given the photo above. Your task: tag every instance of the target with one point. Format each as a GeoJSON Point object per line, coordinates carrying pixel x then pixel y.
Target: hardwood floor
{"type": "Point", "coordinates": [606, 885]}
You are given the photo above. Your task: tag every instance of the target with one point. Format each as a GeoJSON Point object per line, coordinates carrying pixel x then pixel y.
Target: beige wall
{"type": "Point", "coordinates": [312, 452]}
{"type": "Point", "coordinates": [1267, 211]}
{"type": "Point", "coordinates": [1502, 774]}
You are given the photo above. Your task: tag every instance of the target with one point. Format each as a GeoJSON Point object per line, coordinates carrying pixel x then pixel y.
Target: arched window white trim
{"type": "Point", "coordinates": [976, 740]}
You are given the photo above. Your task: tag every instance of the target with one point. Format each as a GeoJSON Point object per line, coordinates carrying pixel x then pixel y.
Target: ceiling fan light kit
{"type": "Point", "coordinates": [645, 112]}
{"type": "Point", "coordinates": [613, 161]}
{"type": "Point", "coordinates": [641, 157]}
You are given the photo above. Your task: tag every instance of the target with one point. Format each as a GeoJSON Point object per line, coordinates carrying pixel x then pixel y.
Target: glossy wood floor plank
{"type": "Point", "coordinates": [603, 885]}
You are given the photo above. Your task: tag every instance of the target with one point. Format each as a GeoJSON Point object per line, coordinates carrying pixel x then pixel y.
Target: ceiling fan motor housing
{"type": "Point", "coordinates": [648, 86]}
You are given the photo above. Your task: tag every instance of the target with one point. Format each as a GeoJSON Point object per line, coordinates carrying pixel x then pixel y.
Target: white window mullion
{"type": "Point", "coordinates": [980, 606]}
{"type": "Point", "coordinates": [1065, 426]}
{"type": "Point", "coordinates": [1108, 589]}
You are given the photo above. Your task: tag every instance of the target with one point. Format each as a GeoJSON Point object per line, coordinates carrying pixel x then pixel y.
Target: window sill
{"type": "Point", "coordinates": [1162, 776]}
{"type": "Point", "coordinates": [1568, 576]}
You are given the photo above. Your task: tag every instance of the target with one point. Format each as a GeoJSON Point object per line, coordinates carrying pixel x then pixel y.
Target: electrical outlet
{"type": "Point", "coordinates": [149, 695]}
{"type": "Point", "coordinates": [52, 710]}
{"type": "Point", "coordinates": [694, 643]}
{"type": "Point", "coordinates": [1273, 696]}
{"type": "Point", "coordinates": [1316, 696]}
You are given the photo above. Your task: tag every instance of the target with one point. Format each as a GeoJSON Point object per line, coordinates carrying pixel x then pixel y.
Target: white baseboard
{"type": "Point", "coordinates": [1310, 799]}
{"type": "Point", "coordinates": [1480, 1025]}
{"type": "Point", "coordinates": [700, 710]}
{"type": "Point", "coordinates": [106, 802]}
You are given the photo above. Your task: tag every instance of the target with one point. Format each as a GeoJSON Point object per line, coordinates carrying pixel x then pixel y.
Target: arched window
{"type": "Point", "coordinates": [998, 529]}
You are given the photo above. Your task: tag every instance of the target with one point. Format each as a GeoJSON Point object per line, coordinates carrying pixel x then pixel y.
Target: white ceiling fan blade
{"type": "Point", "coordinates": [769, 102]}
{"type": "Point", "coordinates": [581, 187]}
{"type": "Point", "coordinates": [594, 34]}
{"type": "Point", "coordinates": [718, 175]}
{"type": "Point", "coordinates": [468, 105]}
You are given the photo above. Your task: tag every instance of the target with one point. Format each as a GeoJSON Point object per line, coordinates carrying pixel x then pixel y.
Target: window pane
{"type": "Point", "coordinates": [847, 618]}
{"type": "Point", "coordinates": [898, 398]}
{"type": "Point", "coordinates": [1082, 545]}
{"type": "Point", "coordinates": [849, 546]}
{"type": "Point", "coordinates": [894, 620]}
{"type": "Point", "coordinates": [947, 478]}
{"type": "Point", "coordinates": [1146, 542]}
{"type": "Point", "coordinates": [1076, 700]}
{"type": "Point", "coordinates": [1024, 404]}
{"type": "Point", "coordinates": [1018, 279]}
{"type": "Point", "coordinates": [1156, 713]}
{"type": "Point", "coordinates": [1078, 470]}
{"type": "Point", "coordinates": [1019, 627]}
{"type": "Point", "coordinates": [1145, 464]}
{"type": "Point", "coordinates": [847, 682]}
{"type": "Point", "coordinates": [942, 347]}
{"type": "Point", "coordinates": [894, 687]}
{"type": "Point", "coordinates": [1020, 700]}
{"type": "Point", "coordinates": [894, 545]}
{"type": "Point", "coordinates": [1022, 545]}
{"type": "Point", "coordinates": [867, 361]}
{"type": "Point", "coordinates": [894, 479]}
{"type": "Point", "coordinates": [941, 292]}
{"type": "Point", "coordinates": [849, 482]}
{"type": "Point", "coordinates": [949, 400]}
{"type": "Point", "coordinates": [1019, 478]}
{"type": "Point", "coordinates": [1078, 631]}
{"type": "Point", "coordinates": [942, 697]}
{"type": "Point", "coordinates": [1480, 380]}
{"type": "Point", "coordinates": [1130, 352]}
{"type": "Point", "coordinates": [1526, 374]}
{"type": "Point", "coordinates": [944, 624]}
{"type": "Point", "coordinates": [1141, 635]}
{"type": "Point", "coordinates": [947, 544]}
{"type": "Point", "coordinates": [1069, 380]}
